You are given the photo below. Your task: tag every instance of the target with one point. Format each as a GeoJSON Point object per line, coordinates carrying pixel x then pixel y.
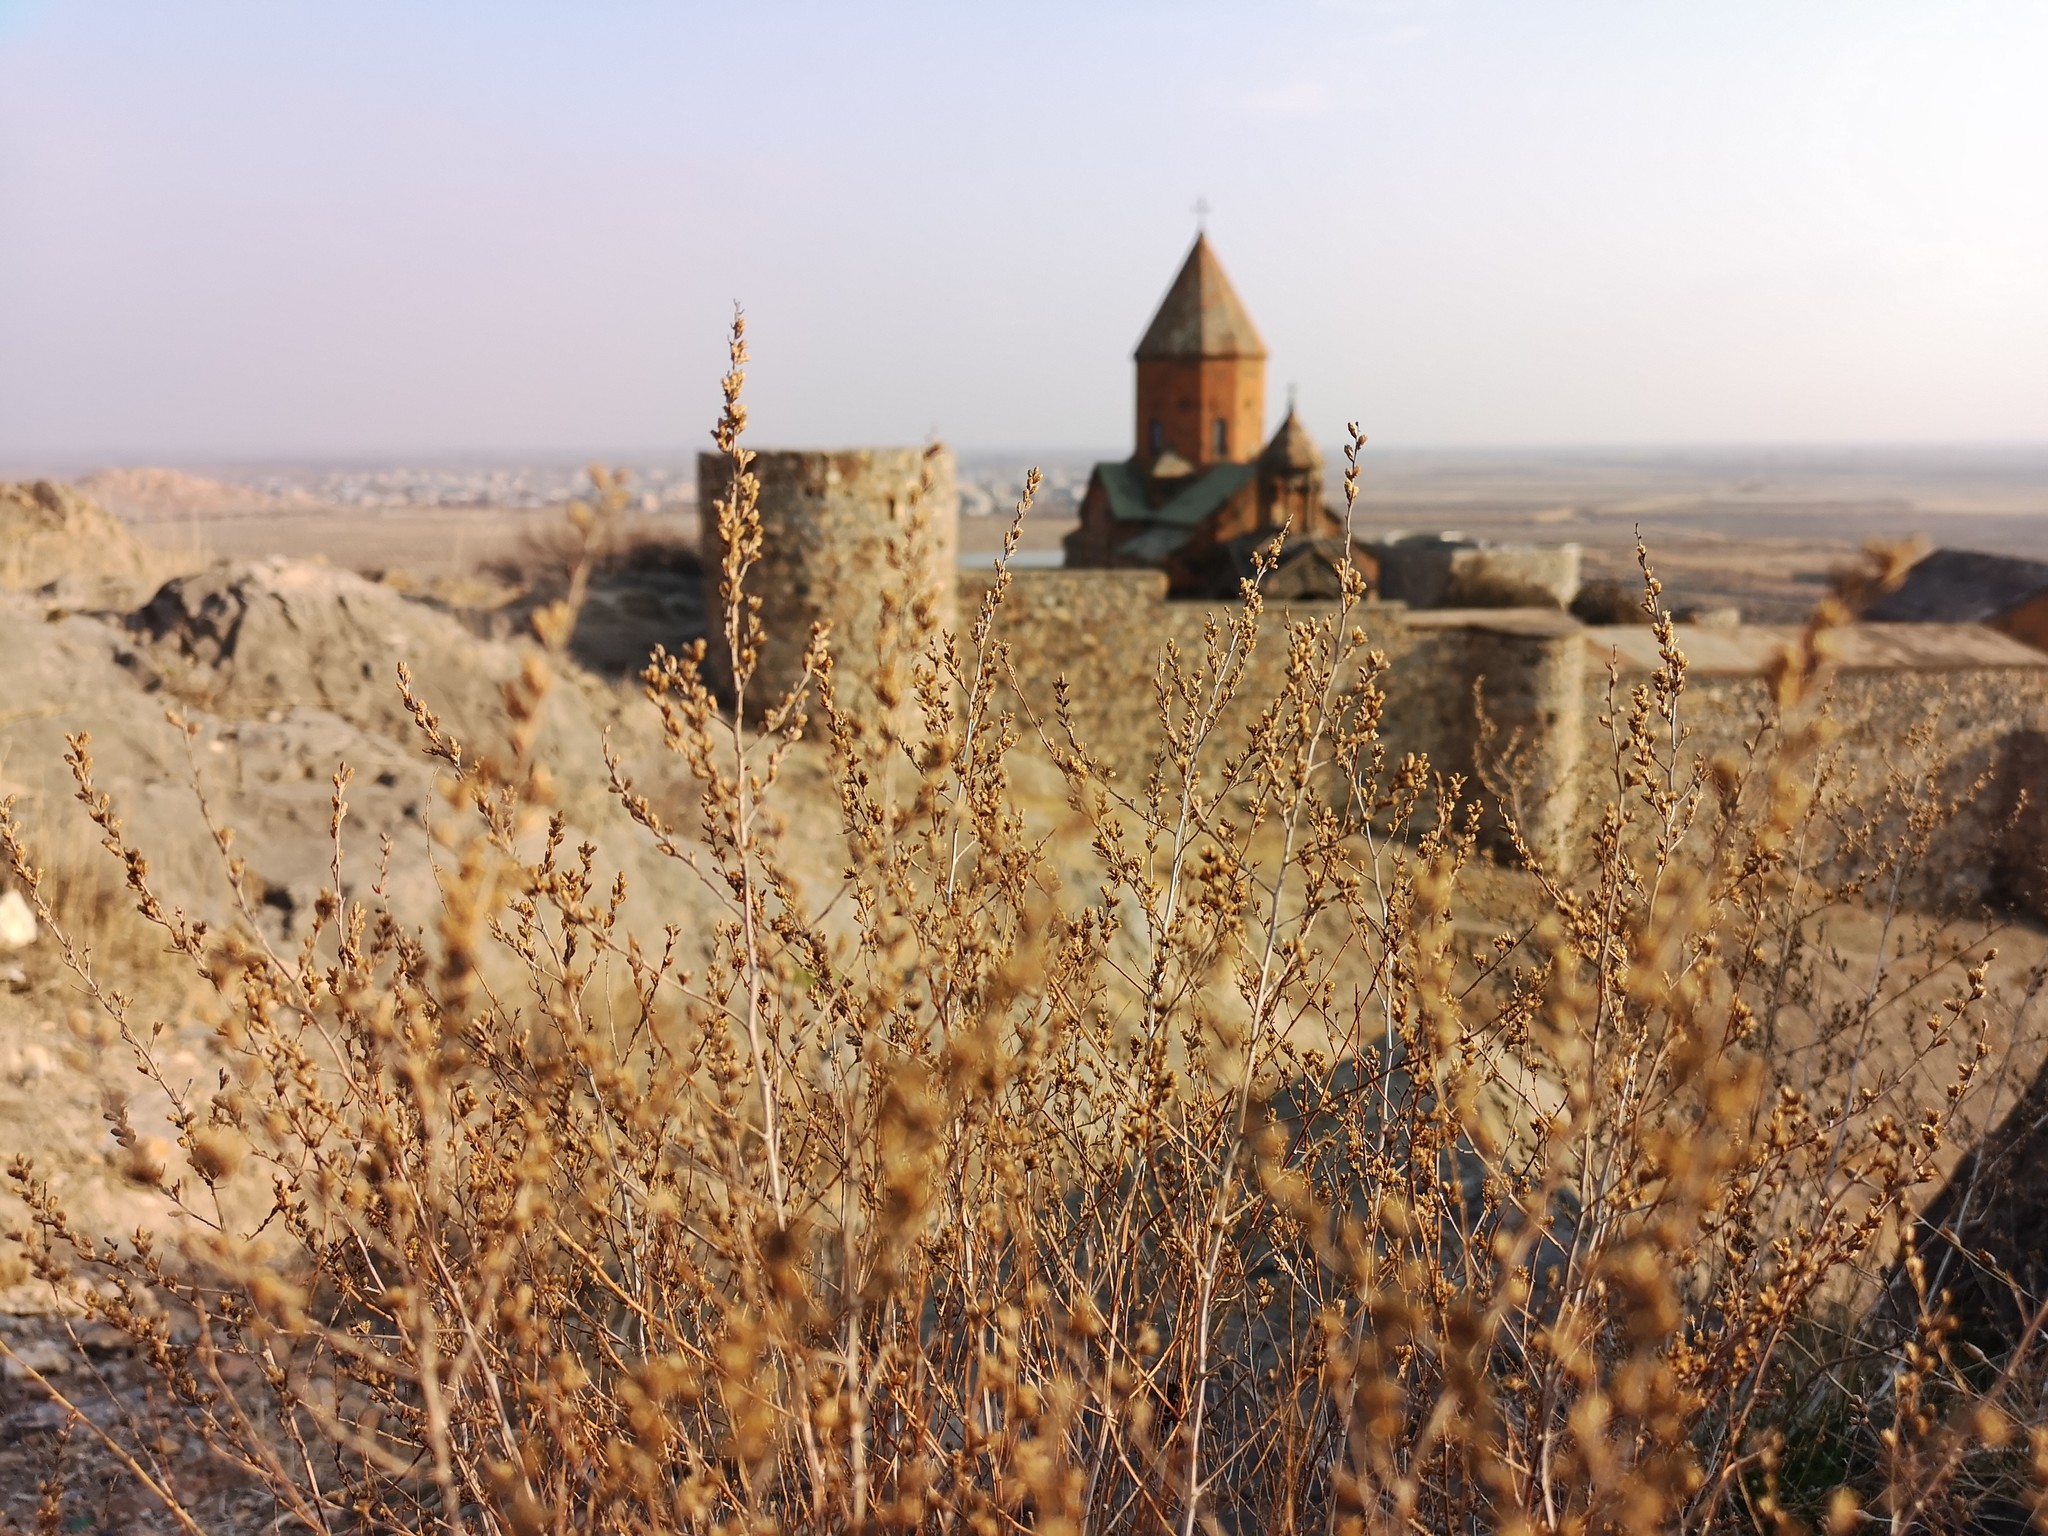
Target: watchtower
{"type": "Point", "coordinates": [827, 521]}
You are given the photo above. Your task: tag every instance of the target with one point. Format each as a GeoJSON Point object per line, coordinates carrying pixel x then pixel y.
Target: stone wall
{"type": "Point", "coordinates": [1544, 682]}
{"type": "Point", "coordinates": [1105, 632]}
{"type": "Point", "coordinates": [1429, 571]}
{"type": "Point", "coordinates": [1976, 697]}
{"type": "Point", "coordinates": [1544, 679]}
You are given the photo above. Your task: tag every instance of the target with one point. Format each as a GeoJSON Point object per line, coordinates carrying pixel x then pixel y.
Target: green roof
{"type": "Point", "coordinates": [1198, 495]}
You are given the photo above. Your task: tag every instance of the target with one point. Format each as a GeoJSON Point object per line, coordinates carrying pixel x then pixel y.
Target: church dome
{"type": "Point", "coordinates": [1201, 315]}
{"type": "Point", "coordinates": [1291, 449]}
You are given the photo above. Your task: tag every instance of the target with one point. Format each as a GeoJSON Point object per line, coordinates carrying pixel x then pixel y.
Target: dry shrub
{"type": "Point", "coordinates": [1226, 1187]}
{"type": "Point", "coordinates": [1497, 589]}
{"type": "Point", "coordinates": [546, 552]}
{"type": "Point", "coordinates": [1604, 600]}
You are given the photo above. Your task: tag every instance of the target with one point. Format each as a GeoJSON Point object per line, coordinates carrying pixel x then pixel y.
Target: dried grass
{"type": "Point", "coordinates": [1226, 1189]}
{"type": "Point", "coordinates": [547, 552]}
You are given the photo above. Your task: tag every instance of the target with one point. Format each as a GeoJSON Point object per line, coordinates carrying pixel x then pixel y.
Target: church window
{"type": "Point", "coordinates": [1158, 437]}
{"type": "Point", "coordinates": [1222, 434]}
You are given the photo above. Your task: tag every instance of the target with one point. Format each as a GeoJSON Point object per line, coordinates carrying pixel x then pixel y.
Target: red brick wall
{"type": "Point", "coordinates": [1186, 395]}
{"type": "Point", "coordinates": [1238, 515]}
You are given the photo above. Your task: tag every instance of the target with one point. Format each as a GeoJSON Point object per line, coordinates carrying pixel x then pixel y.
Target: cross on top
{"type": "Point", "coordinates": [1201, 214]}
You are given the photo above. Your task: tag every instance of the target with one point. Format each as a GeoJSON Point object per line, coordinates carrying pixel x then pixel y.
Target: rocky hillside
{"type": "Point", "coordinates": [158, 494]}
{"type": "Point", "coordinates": [285, 670]}
{"type": "Point", "coordinates": [63, 544]}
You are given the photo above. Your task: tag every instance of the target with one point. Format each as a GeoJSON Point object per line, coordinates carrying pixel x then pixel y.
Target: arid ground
{"type": "Point", "coordinates": [281, 661]}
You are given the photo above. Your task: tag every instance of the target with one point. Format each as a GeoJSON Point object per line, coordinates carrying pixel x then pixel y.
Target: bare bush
{"type": "Point", "coordinates": [1606, 601]}
{"type": "Point", "coordinates": [1225, 1184]}
{"type": "Point", "coordinates": [546, 553]}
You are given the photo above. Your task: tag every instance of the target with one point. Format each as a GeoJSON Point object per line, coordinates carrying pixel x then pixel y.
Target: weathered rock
{"type": "Point", "coordinates": [288, 671]}
{"type": "Point", "coordinates": [46, 1357]}
{"type": "Point", "coordinates": [1980, 1237]}
{"type": "Point", "coordinates": [50, 534]}
{"type": "Point", "coordinates": [255, 642]}
{"type": "Point", "coordinates": [17, 922]}
{"type": "Point", "coordinates": [272, 650]}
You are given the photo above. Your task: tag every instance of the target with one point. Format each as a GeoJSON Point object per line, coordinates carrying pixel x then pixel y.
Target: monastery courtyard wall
{"type": "Point", "coordinates": [1902, 696]}
{"type": "Point", "coordinates": [1967, 699]}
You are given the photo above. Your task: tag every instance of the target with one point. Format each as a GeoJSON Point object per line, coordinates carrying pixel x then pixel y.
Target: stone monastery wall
{"type": "Point", "coordinates": [1959, 697]}
{"type": "Point", "coordinates": [1105, 632]}
{"type": "Point", "coordinates": [1904, 694]}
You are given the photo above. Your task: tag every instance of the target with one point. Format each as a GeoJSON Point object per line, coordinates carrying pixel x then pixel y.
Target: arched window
{"type": "Point", "coordinates": [1222, 435]}
{"type": "Point", "coordinates": [1158, 436]}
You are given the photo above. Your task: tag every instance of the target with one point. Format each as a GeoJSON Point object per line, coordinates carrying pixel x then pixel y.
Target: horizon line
{"type": "Point", "coordinates": [13, 462]}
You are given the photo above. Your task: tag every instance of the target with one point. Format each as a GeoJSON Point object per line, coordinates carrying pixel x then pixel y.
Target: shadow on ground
{"type": "Point", "coordinates": [648, 592]}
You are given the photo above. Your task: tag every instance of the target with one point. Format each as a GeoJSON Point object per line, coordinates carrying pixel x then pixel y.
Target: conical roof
{"type": "Point", "coordinates": [1291, 447]}
{"type": "Point", "coordinates": [1201, 315]}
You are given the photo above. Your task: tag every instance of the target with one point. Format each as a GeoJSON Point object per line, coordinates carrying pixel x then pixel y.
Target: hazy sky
{"type": "Point", "coordinates": [274, 229]}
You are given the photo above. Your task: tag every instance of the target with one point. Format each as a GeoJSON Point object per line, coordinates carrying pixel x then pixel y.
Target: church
{"type": "Point", "coordinates": [1200, 492]}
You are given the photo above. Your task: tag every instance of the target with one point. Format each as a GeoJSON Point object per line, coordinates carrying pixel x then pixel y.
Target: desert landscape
{"type": "Point", "coordinates": [820, 770]}
{"type": "Point", "coordinates": [227, 651]}
{"type": "Point", "coordinates": [1760, 530]}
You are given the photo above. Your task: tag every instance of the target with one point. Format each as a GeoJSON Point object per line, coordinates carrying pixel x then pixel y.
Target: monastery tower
{"type": "Point", "coordinates": [1199, 492]}
{"type": "Point", "coordinates": [1201, 371]}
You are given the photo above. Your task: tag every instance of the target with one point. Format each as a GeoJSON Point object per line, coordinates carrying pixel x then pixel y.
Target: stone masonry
{"type": "Point", "coordinates": [827, 522]}
{"type": "Point", "coordinates": [1543, 679]}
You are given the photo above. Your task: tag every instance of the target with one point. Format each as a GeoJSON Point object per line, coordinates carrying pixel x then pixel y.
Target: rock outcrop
{"type": "Point", "coordinates": [285, 671]}
{"type": "Point", "coordinates": [254, 642]}
{"type": "Point", "coordinates": [53, 538]}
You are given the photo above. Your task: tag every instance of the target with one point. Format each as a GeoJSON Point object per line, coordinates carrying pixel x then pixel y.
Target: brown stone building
{"type": "Point", "coordinates": [1199, 489]}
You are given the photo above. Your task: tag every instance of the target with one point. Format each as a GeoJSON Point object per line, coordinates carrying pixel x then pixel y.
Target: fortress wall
{"type": "Point", "coordinates": [1098, 629]}
{"type": "Point", "coordinates": [1978, 696]}
{"type": "Point", "coordinates": [826, 522]}
{"type": "Point", "coordinates": [1104, 631]}
{"type": "Point", "coordinates": [1544, 681]}
{"type": "Point", "coordinates": [1981, 696]}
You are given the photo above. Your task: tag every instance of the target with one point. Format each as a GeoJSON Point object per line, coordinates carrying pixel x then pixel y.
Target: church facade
{"type": "Point", "coordinates": [1201, 488]}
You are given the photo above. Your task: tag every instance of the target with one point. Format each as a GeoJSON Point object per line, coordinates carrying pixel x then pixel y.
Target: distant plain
{"type": "Point", "coordinates": [1759, 528]}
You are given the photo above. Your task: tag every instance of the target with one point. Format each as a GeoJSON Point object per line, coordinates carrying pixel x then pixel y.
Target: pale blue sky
{"type": "Point", "coordinates": [288, 228]}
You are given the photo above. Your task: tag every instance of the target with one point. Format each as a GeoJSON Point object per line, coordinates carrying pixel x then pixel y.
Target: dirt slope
{"type": "Point", "coordinates": [286, 670]}
{"type": "Point", "coordinates": [55, 540]}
